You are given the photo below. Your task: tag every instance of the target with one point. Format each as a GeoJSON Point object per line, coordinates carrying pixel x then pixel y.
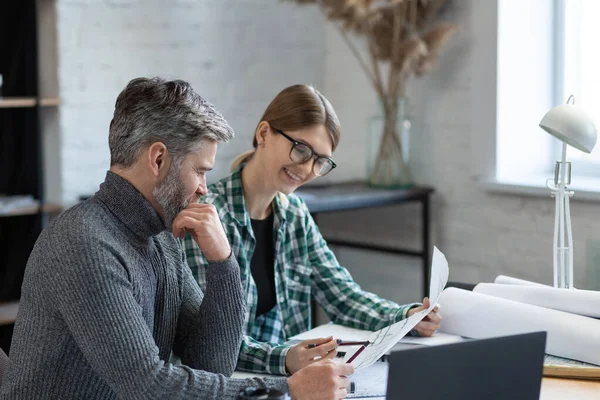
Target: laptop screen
{"type": "Point", "coordinates": [507, 367]}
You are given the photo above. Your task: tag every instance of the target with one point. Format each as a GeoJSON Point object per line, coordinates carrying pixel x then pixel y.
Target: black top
{"type": "Point", "coordinates": [263, 264]}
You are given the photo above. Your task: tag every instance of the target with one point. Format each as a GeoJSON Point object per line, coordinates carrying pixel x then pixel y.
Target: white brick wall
{"type": "Point", "coordinates": [237, 54]}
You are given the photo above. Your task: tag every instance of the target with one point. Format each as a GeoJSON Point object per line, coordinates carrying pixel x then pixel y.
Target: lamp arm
{"type": "Point", "coordinates": [561, 223]}
{"type": "Point", "coordinates": [570, 284]}
{"type": "Point", "coordinates": [555, 241]}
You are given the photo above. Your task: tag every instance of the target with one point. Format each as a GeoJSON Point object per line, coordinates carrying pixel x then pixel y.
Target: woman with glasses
{"type": "Point", "coordinates": [284, 260]}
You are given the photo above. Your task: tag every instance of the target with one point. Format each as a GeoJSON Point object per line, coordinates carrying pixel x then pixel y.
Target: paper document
{"type": "Point", "coordinates": [476, 315]}
{"type": "Point", "coordinates": [582, 302]}
{"type": "Point", "coordinates": [384, 339]}
{"type": "Point", "coordinates": [335, 330]}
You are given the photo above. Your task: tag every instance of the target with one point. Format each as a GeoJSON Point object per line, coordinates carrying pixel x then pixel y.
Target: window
{"type": "Point", "coordinates": [525, 90]}
{"type": "Point", "coordinates": [546, 51]}
{"type": "Point", "coordinates": [580, 63]}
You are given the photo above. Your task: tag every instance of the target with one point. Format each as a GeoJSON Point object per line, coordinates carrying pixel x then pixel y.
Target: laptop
{"type": "Point", "coordinates": [507, 367]}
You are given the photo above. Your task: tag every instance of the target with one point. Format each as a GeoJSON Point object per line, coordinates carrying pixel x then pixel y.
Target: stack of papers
{"type": "Point", "coordinates": [9, 204]}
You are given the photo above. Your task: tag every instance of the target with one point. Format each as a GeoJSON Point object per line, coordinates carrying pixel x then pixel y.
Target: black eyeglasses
{"type": "Point", "coordinates": [302, 153]}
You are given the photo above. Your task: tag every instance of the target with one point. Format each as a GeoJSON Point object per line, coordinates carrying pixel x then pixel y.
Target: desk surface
{"type": "Point", "coordinates": [353, 195]}
{"type": "Point", "coordinates": [572, 389]}
{"type": "Point", "coordinates": [559, 389]}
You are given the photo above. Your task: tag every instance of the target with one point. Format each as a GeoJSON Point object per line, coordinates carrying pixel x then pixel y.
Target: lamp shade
{"type": "Point", "coordinates": [572, 125]}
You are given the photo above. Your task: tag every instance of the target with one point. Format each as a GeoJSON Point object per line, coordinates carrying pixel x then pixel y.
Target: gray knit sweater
{"type": "Point", "coordinates": [107, 296]}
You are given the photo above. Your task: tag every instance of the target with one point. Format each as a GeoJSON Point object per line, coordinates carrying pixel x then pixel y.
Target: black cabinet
{"type": "Point", "coordinates": [22, 105]}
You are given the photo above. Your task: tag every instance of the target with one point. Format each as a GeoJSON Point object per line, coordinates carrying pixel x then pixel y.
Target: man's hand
{"type": "Point", "coordinates": [203, 223]}
{"type": "Point", "coordinates": [301, 355]}
{"type": "Point", "coordinates": [322, 380]}
{"type": "Point", "coordinates": [431, 322]}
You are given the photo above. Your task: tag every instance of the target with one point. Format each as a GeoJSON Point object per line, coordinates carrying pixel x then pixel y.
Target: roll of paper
{"type": "Point", "coordinates": [509, 280]}
{"type": "Point", "coordinates": [582, 302]}
{"type": "Point", "coordinates": [478, 316]}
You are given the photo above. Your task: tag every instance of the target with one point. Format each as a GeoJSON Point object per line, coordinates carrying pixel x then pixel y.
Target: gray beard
{"type": "Point", "coordinates": [170, 195]}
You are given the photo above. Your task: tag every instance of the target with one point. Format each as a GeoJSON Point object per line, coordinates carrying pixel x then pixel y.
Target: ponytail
{"type": "Point", "coordinates": [241, 159]}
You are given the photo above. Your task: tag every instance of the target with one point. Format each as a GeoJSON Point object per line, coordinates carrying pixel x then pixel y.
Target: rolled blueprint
{"type": "Point", "coordinates": [478, 316]}
{"type": "Point", "coordinates": [509, 280]}
{"type": "Point", "coordinates": [582, 302]}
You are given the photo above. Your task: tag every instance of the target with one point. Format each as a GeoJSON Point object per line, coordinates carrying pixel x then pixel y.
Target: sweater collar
{"type": "Point", "coordinates": [130, 206]}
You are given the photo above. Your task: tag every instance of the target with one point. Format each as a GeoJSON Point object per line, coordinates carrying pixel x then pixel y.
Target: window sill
{"type": "Point", "coordinates": [586, 189]}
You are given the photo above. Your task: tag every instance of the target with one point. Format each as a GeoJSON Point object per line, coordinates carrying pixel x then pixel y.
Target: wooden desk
{"type": "Point", "coordinates": [569, 389]}
{"type": "Point", "coordinates": [557, 389]}
{"type": "Point", "coordinates": [358, 195]}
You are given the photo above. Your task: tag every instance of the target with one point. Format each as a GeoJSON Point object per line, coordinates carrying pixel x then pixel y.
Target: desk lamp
{"type": "Point", "coordinates": [573, 127]}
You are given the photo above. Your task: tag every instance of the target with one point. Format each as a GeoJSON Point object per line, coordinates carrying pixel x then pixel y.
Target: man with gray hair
{"type": "Point", "coordinates": [107, 296]}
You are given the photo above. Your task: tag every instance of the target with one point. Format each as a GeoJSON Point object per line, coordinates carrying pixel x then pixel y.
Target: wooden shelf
{"type": "Point", "coordinates": [49, 102]}
{"type": "Point", "coordinates": [8, 312]}
{"type": "Point", "coordinates": [28, 102]}
{"type": "Point", "coordinates": [17, 102]}
{"type": "Point", "coordinates": [46, 208]}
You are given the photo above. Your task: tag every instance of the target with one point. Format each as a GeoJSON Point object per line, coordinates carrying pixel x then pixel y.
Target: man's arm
{"type": "Point", "coordinates": [95, 297]}
{"type": "Point", "coordinates": [210, 325]}
{"type": "Point", "coordinates": [254, 356]}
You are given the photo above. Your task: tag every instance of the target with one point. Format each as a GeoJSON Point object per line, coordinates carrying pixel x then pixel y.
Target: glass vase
{"type": "Point", "coordinates": [388, 148]}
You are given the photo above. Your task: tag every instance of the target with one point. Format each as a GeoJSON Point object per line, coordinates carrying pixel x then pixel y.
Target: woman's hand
{"type": "Point", "coordinates": [431, 322]}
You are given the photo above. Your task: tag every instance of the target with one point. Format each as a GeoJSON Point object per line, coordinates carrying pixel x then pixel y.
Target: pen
{"type": "Point", "coordinates": [343, 343]}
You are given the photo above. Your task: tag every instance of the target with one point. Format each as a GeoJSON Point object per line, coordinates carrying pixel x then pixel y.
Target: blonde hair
{"type": "Point", "coordinates": [297, 107]}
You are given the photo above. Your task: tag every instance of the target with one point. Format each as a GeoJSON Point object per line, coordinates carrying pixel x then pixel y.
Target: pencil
{"type": "Point", "coordinates": [356, 354]}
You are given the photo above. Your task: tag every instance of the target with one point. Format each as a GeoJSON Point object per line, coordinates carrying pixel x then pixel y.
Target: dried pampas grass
{"type": "Point", "coordinates": [408, 36]}
{"type": "Point", "coordinates": [405, 34]}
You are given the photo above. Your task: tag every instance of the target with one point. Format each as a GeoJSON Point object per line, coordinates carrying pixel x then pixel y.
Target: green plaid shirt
{"type": "Point", "coordinates": [304, 267]}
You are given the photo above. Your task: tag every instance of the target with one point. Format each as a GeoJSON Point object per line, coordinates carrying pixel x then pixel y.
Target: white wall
{"type": "Point", "coordinates": [238, 54]}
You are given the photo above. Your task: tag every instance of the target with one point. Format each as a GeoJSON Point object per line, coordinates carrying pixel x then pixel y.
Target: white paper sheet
{"type": "Point", "coordinates": [508, 280]}
{"type": "Point", "coordinates": [384, 339]}
{"type": "Point", "coordinates": [335, 330]}
{"type": "Point", "coordinates": [370, 382]}
{"type": "Point", "coordinates": [477, 315]}
{"type": "Point", "coordinates": [582, 302]}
